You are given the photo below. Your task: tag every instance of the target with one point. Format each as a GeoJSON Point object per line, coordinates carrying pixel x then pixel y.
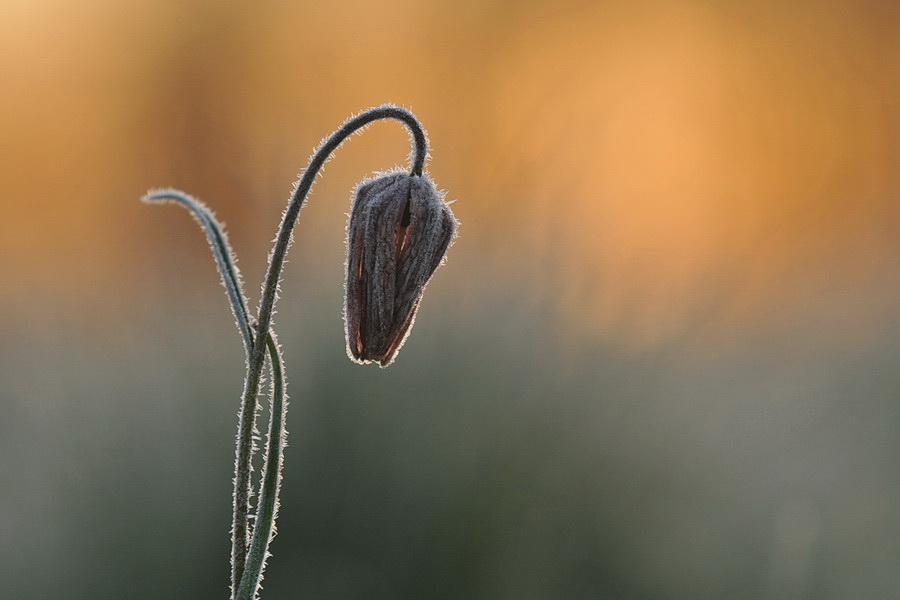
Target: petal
{"type": "Point", "coordinates": [382, 215]}
{"type": "Point", "coordinates": [431, 230]}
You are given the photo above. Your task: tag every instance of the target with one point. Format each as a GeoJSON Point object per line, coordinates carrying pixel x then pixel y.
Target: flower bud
{"type": "Point", "coordinates": [398, 233]}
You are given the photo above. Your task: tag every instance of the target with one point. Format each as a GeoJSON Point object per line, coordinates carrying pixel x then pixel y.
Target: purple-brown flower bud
{"type": "Point", "coordinates": [398, 233]}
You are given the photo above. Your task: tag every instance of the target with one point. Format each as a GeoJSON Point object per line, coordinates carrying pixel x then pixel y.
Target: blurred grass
{"type": "Point", "coordinates": [476, 467]}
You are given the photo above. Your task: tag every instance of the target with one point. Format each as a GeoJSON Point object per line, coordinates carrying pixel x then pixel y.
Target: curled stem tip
{"type": "Point", "coordinates": [318, 159]}
{"type": "Point", "coordinates": [226, 261]}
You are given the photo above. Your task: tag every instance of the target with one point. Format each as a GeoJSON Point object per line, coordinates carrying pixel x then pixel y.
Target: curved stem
{"type": "Point", "coordinates": [222, 252]}
{"type": "Point", "coordinates": [271, 478]}
{"type": "Point", "coordinates": [242, 480]}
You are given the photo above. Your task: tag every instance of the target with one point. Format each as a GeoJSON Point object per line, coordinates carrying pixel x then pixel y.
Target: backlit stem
{"type": "Point", "coordinates": [242, 477]}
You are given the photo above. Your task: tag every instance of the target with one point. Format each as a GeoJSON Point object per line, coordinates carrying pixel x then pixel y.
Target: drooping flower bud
{"type": "Point", "coordinates": [398, 233]}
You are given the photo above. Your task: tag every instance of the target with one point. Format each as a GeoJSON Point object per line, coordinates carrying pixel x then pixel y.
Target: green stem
{"type": "Point", "coordinates": [222, 252]}
{"type": "Point", "coordinates": [242, 478]}
{"type": "Point", "coordinates": [270, 484]}
{"type": "Point", "coordinates": [225, 261]}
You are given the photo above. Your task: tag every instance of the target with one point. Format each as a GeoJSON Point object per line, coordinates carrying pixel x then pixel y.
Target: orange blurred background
{"type": "Point", "coordinates": [635, 158]}
{"type": "Point", "coordinates": [683, 215]}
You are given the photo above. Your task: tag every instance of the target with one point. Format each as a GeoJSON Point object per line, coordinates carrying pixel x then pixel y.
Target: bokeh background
{"type": "Point", "coordinates": [661, 362]}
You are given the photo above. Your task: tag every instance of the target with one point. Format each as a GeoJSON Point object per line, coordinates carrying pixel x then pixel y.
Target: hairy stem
{"type": "Point", "coordinates": [270, 483]}
{"type": "Point", "coordinates": [222, 252]}
{"type": "Point", "coordinates": [242, 479]}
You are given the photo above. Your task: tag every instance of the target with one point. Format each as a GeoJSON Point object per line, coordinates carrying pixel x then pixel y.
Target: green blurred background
{"type": "Point", "coordinates": [660, 363]}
